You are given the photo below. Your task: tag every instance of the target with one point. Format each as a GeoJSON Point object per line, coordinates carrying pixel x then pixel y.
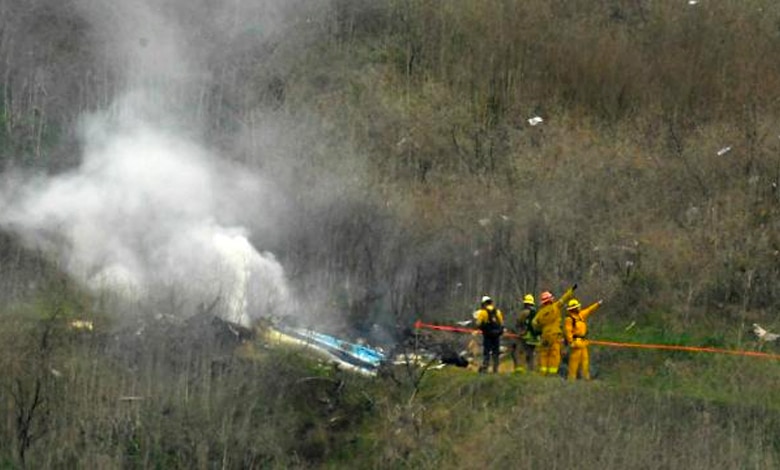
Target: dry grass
{"type": "Point", "coordinates": [423, 105]}
{"type": "Point", "coordinates": [175, 398]}
{"type": "Point", "coordinates": [467, 421]}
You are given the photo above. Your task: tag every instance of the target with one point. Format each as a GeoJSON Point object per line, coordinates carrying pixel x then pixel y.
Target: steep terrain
{"type": "Point", "coordinates": [377, 162]}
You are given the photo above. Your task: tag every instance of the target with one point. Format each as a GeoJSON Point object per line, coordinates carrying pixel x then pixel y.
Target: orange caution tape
{"type": "Point", "coordinates": [613, 344]}
{"type": "Point", "coordinates": [672, 347]}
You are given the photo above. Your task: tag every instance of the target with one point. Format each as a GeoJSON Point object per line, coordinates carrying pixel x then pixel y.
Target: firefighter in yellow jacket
{"type": "Point", "coordinates": [490, 321]}
{"type": "Point", "coordinates": [576, 330]}
{"type": "Point", "coordinates": [548, 321]}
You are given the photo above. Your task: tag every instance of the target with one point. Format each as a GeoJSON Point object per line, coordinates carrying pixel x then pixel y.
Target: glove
{"type": "Point", "coordinates": [574, 287]}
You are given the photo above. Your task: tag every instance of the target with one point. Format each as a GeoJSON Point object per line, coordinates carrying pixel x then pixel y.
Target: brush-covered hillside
{"type": "Point", "coordinates": [354, 166]}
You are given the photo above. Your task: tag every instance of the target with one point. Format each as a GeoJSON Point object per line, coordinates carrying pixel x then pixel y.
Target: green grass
{"type": "Point", "coordinates": [278, 408]}
{"type": "Point", "coordinates": [464, 420]}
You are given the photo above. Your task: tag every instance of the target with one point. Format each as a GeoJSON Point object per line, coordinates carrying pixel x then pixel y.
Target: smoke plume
{"type": "Point", "coordinates": [150, 213]}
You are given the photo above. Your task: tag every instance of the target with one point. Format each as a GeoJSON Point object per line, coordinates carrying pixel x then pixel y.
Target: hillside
{"type": "Point", "coordinates": [120, 400]}
{"type": "Point", "coordinates": [356, 166]}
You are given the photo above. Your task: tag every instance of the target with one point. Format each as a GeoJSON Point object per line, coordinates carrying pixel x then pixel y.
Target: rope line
{"type": "Point", "coordinates": [614, 344]}
{"type": "Point", "coordinates": [673, 347]}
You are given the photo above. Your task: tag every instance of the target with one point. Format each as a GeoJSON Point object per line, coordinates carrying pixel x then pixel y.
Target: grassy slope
{"type": "Point", "coordinates": [277, 408]}
{"type": "Point", "coordinates": [696, 413]}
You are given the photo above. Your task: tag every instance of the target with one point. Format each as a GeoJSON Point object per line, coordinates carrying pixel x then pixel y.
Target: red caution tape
{"type": "Point", "coordinates": [455, 329]}
{"type": "Point", "coordinates": [613, 344]}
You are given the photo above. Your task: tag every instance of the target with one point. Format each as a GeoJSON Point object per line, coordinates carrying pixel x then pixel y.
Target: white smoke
{"type": "Point", "coordinates": [150, 213]}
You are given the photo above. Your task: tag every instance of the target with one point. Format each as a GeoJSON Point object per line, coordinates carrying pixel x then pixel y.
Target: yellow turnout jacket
{"type": "Point", "coordinates": [575, 325]}
{"type": "Point", "coordinates": [548, 318]}
{"type": "Point", "coordinates": [482, 317]}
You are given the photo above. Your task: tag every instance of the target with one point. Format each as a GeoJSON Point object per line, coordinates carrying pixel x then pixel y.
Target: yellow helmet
{"type": "Point", "coordinates": [528, 299]}
{"type": "Point", "coordinates": [574, 304]}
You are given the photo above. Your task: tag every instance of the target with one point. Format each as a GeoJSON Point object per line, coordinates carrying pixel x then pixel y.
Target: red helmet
{"type": "Point", "coordinates": [546, 297]}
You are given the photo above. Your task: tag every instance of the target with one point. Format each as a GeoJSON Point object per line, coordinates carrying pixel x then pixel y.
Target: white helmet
{"type": "Point", "coordinates": [486, 300]}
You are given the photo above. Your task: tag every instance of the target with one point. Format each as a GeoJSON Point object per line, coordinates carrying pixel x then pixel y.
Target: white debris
{"type": "Point", "coordinates": [763, 335]}
{"type": "Point", "coordinates": [724, 151]}
{"type": "Point", "coordinates": [416, 359]}
{"type": "Point", "coordinates": [504, 218]}
{"type": "Point", "coordinates": [535, 121]}
{"type": "Point", "coordinates": [484, 222]}
{"type": "Point", "coordinates": [693, 2]}
{"type": "Point", "coordinates": [81, 325]}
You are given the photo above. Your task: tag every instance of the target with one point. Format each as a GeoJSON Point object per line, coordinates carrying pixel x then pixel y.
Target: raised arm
{"type": "Point", "coordinates": [585, 312]}
{"type": "Point", "coordinates": [568, 295]}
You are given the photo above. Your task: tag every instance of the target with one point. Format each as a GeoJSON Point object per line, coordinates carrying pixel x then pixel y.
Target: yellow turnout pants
{"type": "Point", "coordinates": [549, 353]}
{"type": "Point", "coordinates": [579, 361]}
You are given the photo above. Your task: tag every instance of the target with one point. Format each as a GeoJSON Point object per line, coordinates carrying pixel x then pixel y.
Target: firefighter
{"type": "Point", "coordinates": [576, 330]}
{"type": "Point", "coordinates": [527, 337]}
{"type": "Point", "coordinates": [490, 321]}
{"type": "Point", "coordinates": [548, 321]}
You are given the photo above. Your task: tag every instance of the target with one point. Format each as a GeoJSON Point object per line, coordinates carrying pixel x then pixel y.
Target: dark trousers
{"type": "Point", "coordinates": [491, 347]}
{"type": "Point", "coordinates": [527, 350]}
